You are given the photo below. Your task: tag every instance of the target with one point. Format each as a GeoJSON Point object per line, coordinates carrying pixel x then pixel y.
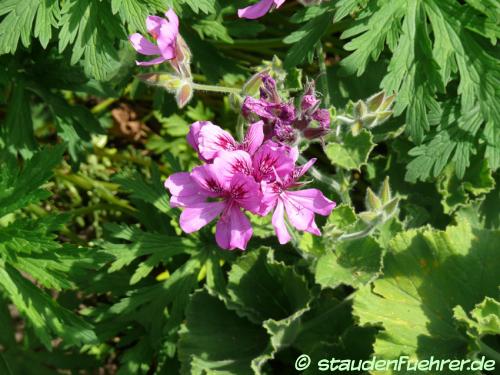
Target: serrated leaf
{"type": "Point", "coordinates": [413, 301]}
{"type": "Point", "coordinates": [233, 341]}
{"type": "Point", "coordinates": [353, 152]}
{"type": "Point", "coordinates": [484, 320]}
{"type": "Point", "coordinates": [46, 316]}
{"type": "Point", "coordinates": [18, 189]}
{"type": "Point", "coordinates": [354, 263]}
{"type": "Point", "coordinates": [306, 38]}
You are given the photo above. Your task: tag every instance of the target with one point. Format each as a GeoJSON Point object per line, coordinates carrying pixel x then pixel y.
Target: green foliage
{"type": "Point", "coordinates": [437, 45]}
{"type": "Point", "coordinates": [421, 271]}
{"type": "Point", "coordinates": [96, 275]}
{"type": "Point", "coordinates": [29, 253]}
{"type": "Point", "coordinates": [353, 152]}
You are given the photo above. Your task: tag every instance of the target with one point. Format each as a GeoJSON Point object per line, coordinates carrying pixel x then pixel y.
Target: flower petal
{"type": "Point", "coordinates": [254, 137]}
{"type": "Point", "coordinates": [172, 18]}
{"type": "Point", "coordinates": [233, 230]}
{"type": "Point", "coordinates": [246, 192]}
{"type": "Point", "coordinates": [313, 200]}
{"type": "Point", "coordinates": [156, 61]}
{"type": "Point", "coordinates": [298, 215]}
{"type": "Point", "coordinates": [256, 10]}
{"type": "Point", "coordinates": [195, 217]}
{"type": "Point", "coordinates": [213, 139]}
{"type": "Point", "coordinates": [229, 163]}
{"type": "Point", "coordinates": [194, 133]}
{"type": "Point", "coordinates": [153, 25]}
{"type": "Point", "coordinates": [209, 180]}
{"type": "Point", "coordinates": [142, 45]}
{"type": "Point", "coordinates": [184, 190]}
{"type": "Point", "coordinates": [269, 159]}
{"type": "Point", "coordinates": [279, 224]}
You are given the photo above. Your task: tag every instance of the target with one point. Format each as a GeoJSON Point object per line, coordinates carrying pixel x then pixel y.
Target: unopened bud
{"type": "Point", "coordinates": [385, 191]}
{"type": "Point", "coordinates": [372, 201]}
{"type": "Point", "coordinates": [184, 94]}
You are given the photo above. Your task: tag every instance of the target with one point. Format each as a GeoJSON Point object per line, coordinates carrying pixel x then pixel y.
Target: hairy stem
{"type": "Point", "coordinates": [323, 77]}
{"type": "Point", "coordinates": [211, 88]}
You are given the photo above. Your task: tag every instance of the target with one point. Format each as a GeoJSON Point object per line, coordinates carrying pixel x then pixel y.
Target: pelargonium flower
{"type": "Point", "coordinates": [300, 205]}
{"type": "Point", "coordinates": [165, 33]}
{"type": "Point", "coordinates": [310, 113]}
{"type": "Point", "coordinates": [260, 9]}
{"type": "Point", "coordinates": [205, 195]}
{"type": "Point", "coordinates": [208, 139]}
{"type": "Point", "coordinates": [276, 114]}
{"type": "Point", "coordinates": [254, 176]}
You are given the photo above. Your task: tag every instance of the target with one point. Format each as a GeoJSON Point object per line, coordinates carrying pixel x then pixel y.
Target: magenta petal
{"type": "Point", "coordinates": [184, 190]}
{"type": "Point", "coordinates": [279, 224]}
{"type": "Point", "coordinates": [156, 61]}
{"type": "Point", "coordinates": [194, 133]}
{"type": "Point", "coordinates": [181, 184]}
{"type": "Point", "coordinates": [167, 41]}
{"type": "Point", "coordinates": [300, 171]}
{"type": "Point", "coordinates": [142, 45]}
{"type": "Point", "coordinates": [172, 19]}
{"type": "Point", "coordinates": [254, 137]}
{"type": "Point", "coordinates": [213, 139]}
{"type": "Point", "coordinates": [271, 159]}
{"type": "Point", "coordinates": [256, 10]}
{"type": "Point", "coordinates": [233, 230]}
{"type": "Point", "coordinates": [229, 163]}
{"type": "Point", "coordinates": [153, 25]}
{"type": "Point", "coordinates": [246, 192]}
{"type": "Point", "coordinates": [298, 215]}
{"type": "Point", "coordinates": [209, 180]}
{"type": "Point", "coordinates": [195, 217]}
{"type": "Point", "coordinates": [313, 200]}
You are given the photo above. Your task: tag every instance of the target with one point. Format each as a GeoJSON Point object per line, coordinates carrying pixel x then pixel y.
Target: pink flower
{"type": "Point", "coordinates": [259, 9]}
{"type": "Point", "coordinates": [165, 32]}
{"type": "Point", "coordinates": [209, 139]}
{"type": "Point", "coordinates": [299, 205]}
{"type": "Point", "coordinates": [205, 195]}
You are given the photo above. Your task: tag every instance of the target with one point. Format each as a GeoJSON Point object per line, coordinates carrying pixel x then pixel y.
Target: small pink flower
{"type": "Point", "coordinates": [260, 9]}
{"type": "Point", "coordinates": [165, 33]}
{"type": "Point", "coordinates": [205, 195]}
{"type": "Point", "coordinates": [299, 205]}
{"type": "Point", "coordinates": [209, 139]}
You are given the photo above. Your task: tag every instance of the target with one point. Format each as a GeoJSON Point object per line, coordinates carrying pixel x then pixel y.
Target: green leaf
{"type": "Point", "coordinates": [353, 152]}
{"type": "Point", "coordinates": [305, 39]}
{"type": "Point", "coordinates": [269, 293]}
{"type": "Point", "coordinates": [233, 341]}
{"type": "Point", "coordinates": [484, 320]}
{"type": "Point", "coordinates": [46, 316]}
{"type": "Point", "coordinates": [204, 6]}
{"type": "Point", "coordinates": [427, 273]}
{"type": "Point", "coordinates": [91, 28]}
{"type": "Point", "coordinates": [354, 263]}
{"type": "Point", "coordinates": [18, 189]}
{"type": "Point", "coordinates": [478, 180]}
{"type": "Point", "coordinates": [19, 123]}
{"type": "Point", "coordinates": [18, 23]}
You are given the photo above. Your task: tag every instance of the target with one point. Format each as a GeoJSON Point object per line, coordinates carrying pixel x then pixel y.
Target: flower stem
{"type": "Point", "coordinates": [357, 235]}
{"type": "Point", "coordinates": [321, 177]}
{"type": "Point", "coordinates": [212, 88]}
{"type": "Point", "coordinates": [489, 351]}
{"type": "Point", "coordinates": [345, 120]}
{"type": "Point", "coordinates": [323, 77]}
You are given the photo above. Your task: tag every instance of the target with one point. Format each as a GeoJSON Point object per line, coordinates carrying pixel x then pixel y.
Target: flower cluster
{"type": "Point", "coordinates": [255, 176]}
{"type": "Point", "coordinates": [284, 122]}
